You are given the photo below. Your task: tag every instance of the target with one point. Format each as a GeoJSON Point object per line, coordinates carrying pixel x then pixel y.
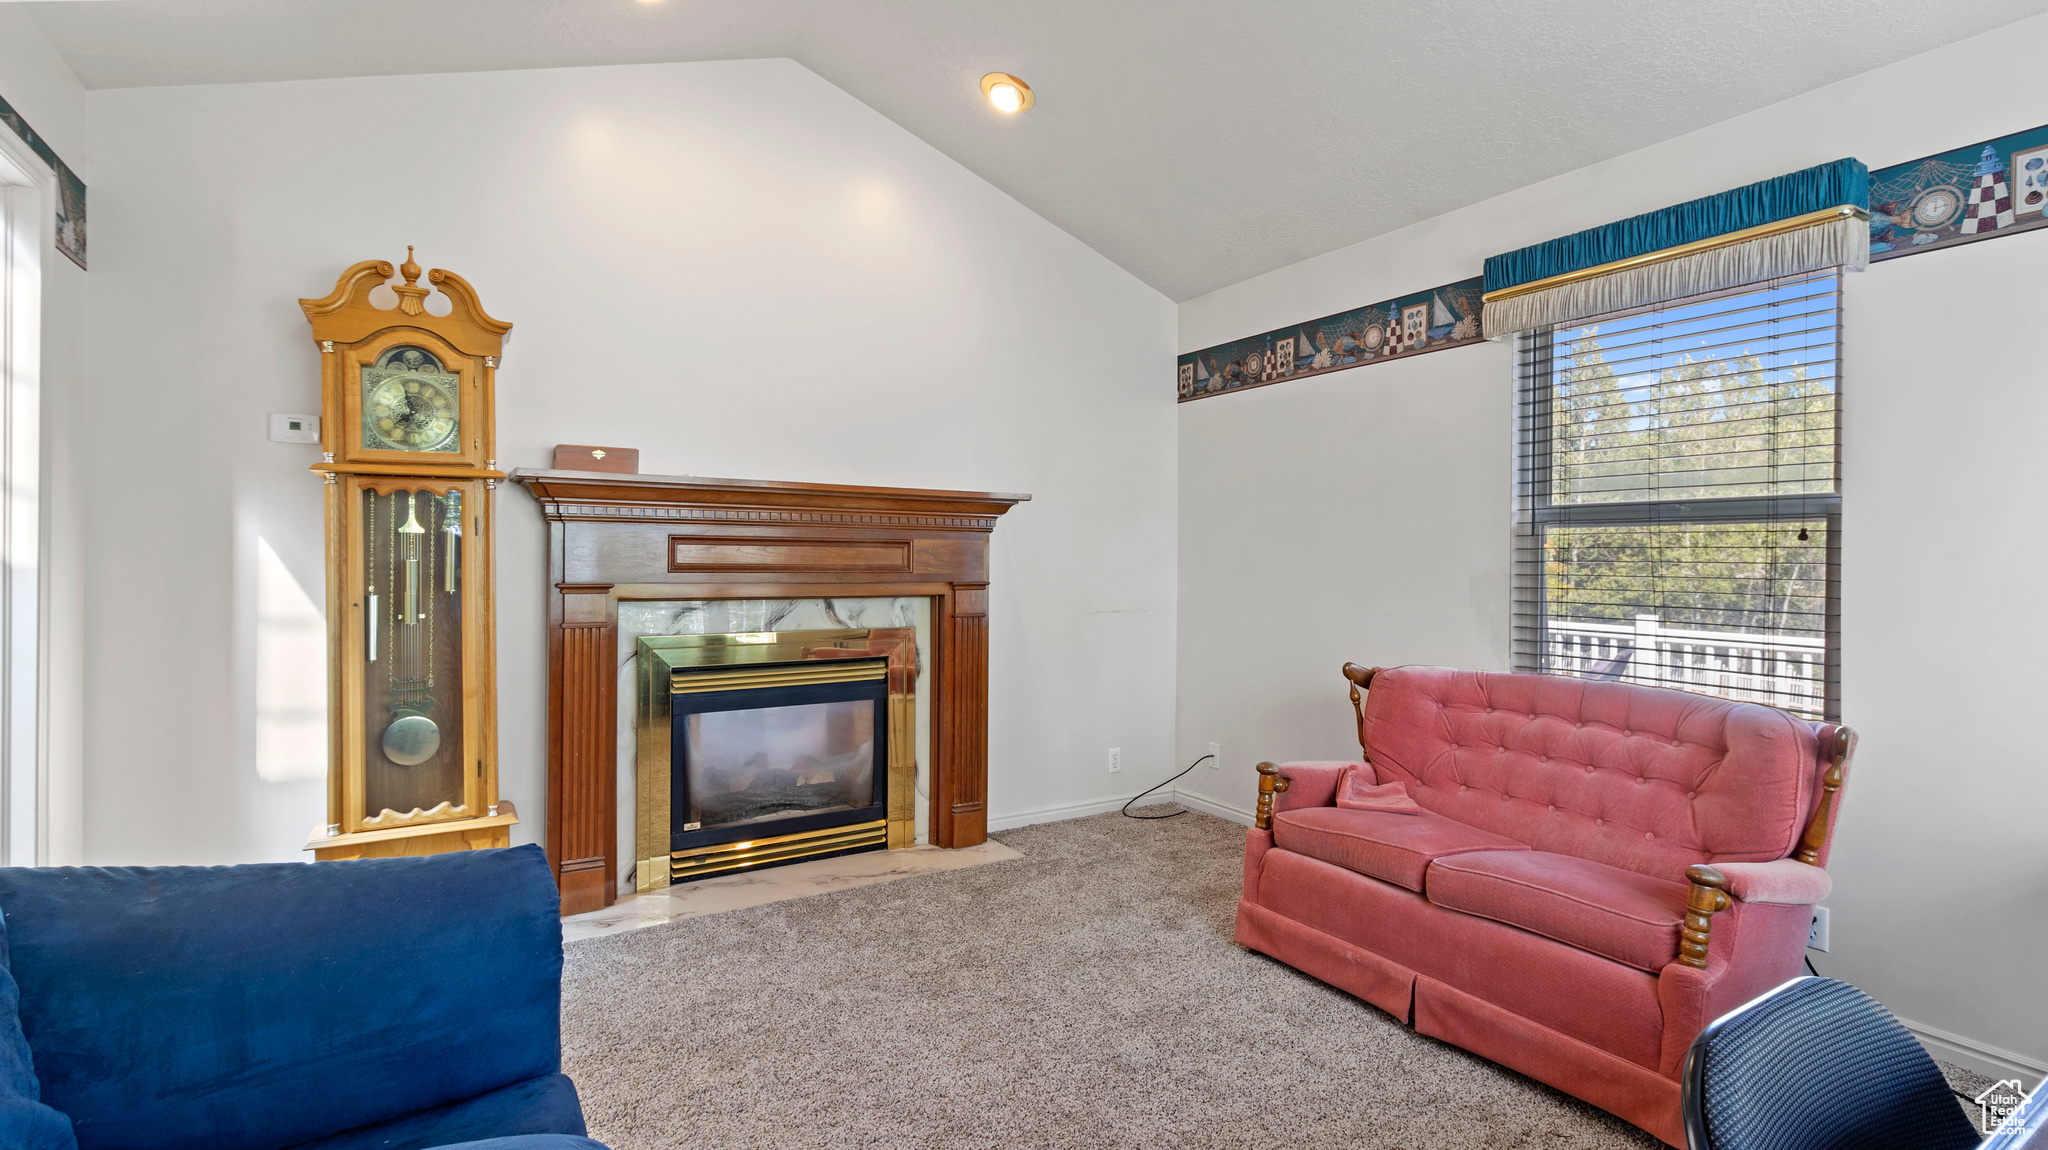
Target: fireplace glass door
{"type": "Point", "coordinates": [766, 763]}
{"type": "Point", "coordinates": [756, 762]}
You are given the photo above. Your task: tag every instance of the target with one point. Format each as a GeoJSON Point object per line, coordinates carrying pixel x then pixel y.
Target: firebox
{"type": "Point", "coordinates": [759, 749]}
{"type": "Point", "coordinates": [782, 760]}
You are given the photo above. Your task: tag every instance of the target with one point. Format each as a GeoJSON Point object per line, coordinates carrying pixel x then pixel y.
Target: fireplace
{"type": "Point", "coordinates": [620, 543]}
{"type": "Point", "coordinates": [758, 748]}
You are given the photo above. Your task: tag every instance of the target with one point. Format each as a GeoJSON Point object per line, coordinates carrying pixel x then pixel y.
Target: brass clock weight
{"type": "Point", "coordinates": [407, 441]}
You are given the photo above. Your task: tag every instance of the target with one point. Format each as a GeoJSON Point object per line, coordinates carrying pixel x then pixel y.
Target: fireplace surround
{"type": "Point", "coordinates": [616, 539]}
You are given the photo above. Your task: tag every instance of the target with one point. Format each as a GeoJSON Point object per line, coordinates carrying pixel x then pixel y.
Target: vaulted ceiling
{"type": "Point", "coordinates": [1194, 142]}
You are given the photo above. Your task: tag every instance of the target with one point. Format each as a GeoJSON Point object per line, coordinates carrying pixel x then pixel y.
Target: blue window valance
{"type": "Point", "coordinates": [1795, 223]}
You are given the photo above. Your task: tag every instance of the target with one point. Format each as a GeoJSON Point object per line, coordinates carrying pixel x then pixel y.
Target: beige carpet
{"type": "Point", "coordinates": [1085, 995]}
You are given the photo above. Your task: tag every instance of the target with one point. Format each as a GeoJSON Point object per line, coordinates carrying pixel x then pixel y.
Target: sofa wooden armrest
{"type": "Point", "coordinates": [1361, 680]}
{"type": "Point", "coordinates": [1709, 897]}
{"type": "Point", "coordinates": [1814, 843]}
{"type": "Point", "coordinates": [1271, 782]}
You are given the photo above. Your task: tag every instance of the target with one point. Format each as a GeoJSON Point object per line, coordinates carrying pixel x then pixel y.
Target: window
{"type": "Point", "coordinates": [1677, 512]}
{"type": "Point", "coordinates": [25, 194]}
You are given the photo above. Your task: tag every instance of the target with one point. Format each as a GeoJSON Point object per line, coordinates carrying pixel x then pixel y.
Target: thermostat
{"type": "Point", "coordinates": [294, 428]}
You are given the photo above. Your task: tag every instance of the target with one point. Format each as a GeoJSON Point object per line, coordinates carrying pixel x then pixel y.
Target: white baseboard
{"type": "Point", "coordinates": [1015, 819]}
{"type": "Point", "coordinates": [1208, 806]}
{"type": "Point", "coordinates": [1202, 803]}
{"type": "Point", "coordinates": [1971, 1054]}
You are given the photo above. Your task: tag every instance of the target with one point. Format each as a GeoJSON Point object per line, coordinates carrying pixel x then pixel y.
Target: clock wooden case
{"type": "Point", "coordinates": [408, 455]}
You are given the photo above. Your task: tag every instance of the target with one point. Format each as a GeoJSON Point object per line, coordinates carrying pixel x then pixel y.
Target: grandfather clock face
{"type": "Point", "coordinates": [411, 402]}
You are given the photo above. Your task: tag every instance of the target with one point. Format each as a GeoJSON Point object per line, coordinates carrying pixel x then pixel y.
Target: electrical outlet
{"type": "Point", "coordinates": [1817, 934]}
{"type": "Point", "coordinates": [1116, 759]}
{"type": "Point", "coordinates": [1215, 756]}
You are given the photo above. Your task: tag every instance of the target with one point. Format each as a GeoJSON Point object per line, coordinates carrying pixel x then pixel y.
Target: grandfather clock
{"type": "Point", "coordinates": [406, 437]}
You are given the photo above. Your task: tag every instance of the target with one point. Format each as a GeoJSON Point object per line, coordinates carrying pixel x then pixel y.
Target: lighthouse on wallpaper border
{"type": "Point", "coordinates": [1990, 205]}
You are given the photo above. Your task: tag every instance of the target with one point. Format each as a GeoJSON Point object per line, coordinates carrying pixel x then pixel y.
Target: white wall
{"type": "Point", "coordinates": [1364, 515]}
{"type": "Point", "coordinates": [734, 267]}
{"type": "Point", "coordinates": [36, 83]}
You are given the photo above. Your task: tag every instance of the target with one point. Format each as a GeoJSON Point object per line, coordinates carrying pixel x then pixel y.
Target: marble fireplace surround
{"type": "Point", "coordinates": [616, 539]}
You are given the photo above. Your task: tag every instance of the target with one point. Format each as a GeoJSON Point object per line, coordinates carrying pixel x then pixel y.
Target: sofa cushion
{"type": "Point", "coordinates": [1643, 778]}
{"type": "Point", "coordinates": [1625, 916]}
{"type": "Point", "coordinates": [24, 1121]}
{"type": "Point", "coordinates": [1395, 848]}
{"type": "Point", "coordinates": [538, 1106]}
{"type": "Point", "coordinates": [253, 1007]}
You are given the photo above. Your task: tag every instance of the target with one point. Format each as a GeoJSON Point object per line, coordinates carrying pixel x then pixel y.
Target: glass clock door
{"type": "Point", "coordinates": [412, 651]}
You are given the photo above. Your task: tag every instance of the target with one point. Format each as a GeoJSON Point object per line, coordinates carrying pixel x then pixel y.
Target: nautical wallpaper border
{"type": "Point", "coordinates": [1410, 325]}
{"type": "Point", "coordinates": [1995, 187]}
{"type": "Point", "coordinates": [70, 189]}
{"type": "Point", "coordinates": [1991, 188]}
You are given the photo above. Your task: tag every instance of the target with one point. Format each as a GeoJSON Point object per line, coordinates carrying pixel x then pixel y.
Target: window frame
{"type": "Point", "coordinates": [28, 193]}
{"type": "Point", "coordinates": [1534, 511]}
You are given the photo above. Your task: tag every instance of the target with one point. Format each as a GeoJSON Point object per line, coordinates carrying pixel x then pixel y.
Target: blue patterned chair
{"type": "Point", "coordinates": [1816, 1065]}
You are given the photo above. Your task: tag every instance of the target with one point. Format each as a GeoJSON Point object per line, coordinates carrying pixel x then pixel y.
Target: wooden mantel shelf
{"type": "Point", "coordinates": [587, 494]}
{"type": "Point", "coordinates": [614, 537]}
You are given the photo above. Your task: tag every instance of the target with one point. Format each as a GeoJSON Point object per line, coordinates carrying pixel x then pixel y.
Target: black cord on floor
{"type": "Point", "coordinates": [1141, 794]}
{"type": "Point", "coordinates": [1809, 967]}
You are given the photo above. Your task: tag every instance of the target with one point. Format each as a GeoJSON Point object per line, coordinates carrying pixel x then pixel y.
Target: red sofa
{"type": "Point", "coordinates": [1597, 871]}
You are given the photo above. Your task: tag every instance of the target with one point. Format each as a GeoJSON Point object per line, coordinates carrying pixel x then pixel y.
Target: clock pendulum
{"type": "Point", "coordinates": [370, 615]}
{"type": "Point", "coordinates": [413, 737]}
{"type": "Point", "coordinates": [451, 528]}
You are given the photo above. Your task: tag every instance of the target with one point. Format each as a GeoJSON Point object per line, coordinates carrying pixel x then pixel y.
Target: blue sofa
{"type": "Point", "coordinates": [394, 1004]}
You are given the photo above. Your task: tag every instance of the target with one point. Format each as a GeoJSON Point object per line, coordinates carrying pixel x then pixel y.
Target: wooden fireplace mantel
{"type": "Point", "coordinates": [614, 537]}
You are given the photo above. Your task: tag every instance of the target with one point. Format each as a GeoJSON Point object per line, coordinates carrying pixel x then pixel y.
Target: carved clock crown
{"type": "Point", "coordinates": [346, 314]}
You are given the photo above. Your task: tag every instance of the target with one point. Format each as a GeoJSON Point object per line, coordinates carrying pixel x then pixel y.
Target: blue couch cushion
{"type": "Point", "coordinates": [255, 1007]}
{"type": "Point", "coordinates": [544, 1105]}
{"type": "Point", "coordinates": [24, 1121]}
{"type": "Point", "coordinates": [528, 1142]}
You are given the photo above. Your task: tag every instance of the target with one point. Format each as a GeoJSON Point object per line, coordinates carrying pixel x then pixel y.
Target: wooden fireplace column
{"type": "Point", "coordinates": [625, 537]}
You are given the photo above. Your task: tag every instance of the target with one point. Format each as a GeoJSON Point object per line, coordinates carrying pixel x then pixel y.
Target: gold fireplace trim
{"type": "Point", "coordinates": [755, 852]}
{"type": "Point", "coordinates": [665, 667]}
{"type": "Point", "coordinates": [686, 682]}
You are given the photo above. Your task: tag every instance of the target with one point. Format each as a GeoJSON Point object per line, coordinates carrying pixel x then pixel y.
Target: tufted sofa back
{"type": "Point", "coordinates": [1636, 777]}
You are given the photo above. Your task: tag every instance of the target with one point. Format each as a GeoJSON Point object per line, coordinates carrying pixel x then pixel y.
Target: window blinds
{"type": "Point", "coordinates": [1677, 507]}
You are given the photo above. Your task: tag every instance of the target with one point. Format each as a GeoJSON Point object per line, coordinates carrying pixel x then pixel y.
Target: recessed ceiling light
{"type": "Point", "coordinates": [1007, 93]}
